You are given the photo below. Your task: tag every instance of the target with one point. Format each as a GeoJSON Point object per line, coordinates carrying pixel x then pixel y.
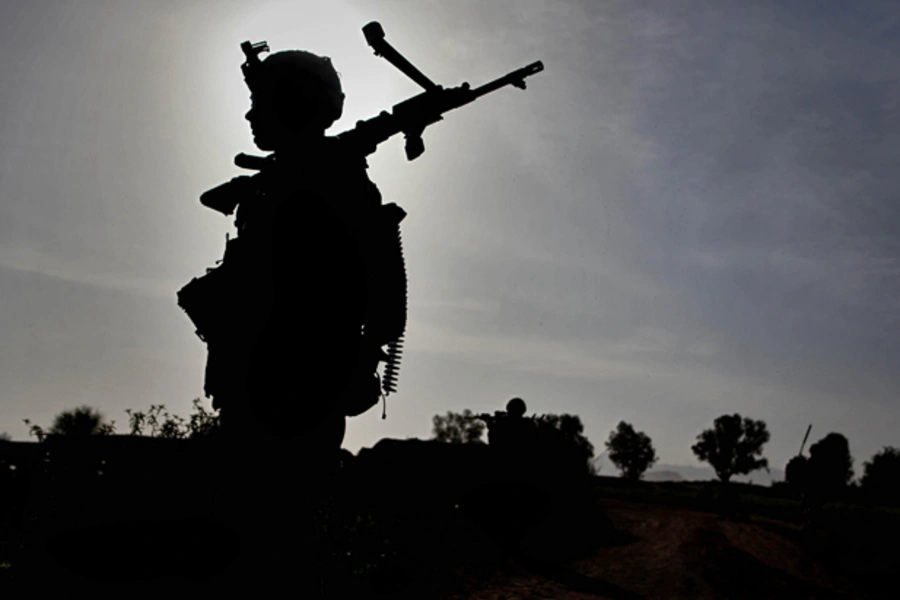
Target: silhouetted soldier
{"type": "Point", "coordinates": [542, 501]}
{"type": "Point", "coordinates": [527, 446]}
{"type": "Point", "coordinates": [301, 255]}
{"type": "Point", "coordinates": [313, 287]}
{"type": "Point", "coordinates": [287, 359]}
{"type": "Point", "coordinates": [512, 502]}
{"type": "Point", "coordinates": [510, 434]}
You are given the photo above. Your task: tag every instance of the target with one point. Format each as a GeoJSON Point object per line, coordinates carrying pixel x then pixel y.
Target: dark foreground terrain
{"type": "Point", "coordinates": [414, 519]}
{"type": "Point", "coordinates": [679, 553]}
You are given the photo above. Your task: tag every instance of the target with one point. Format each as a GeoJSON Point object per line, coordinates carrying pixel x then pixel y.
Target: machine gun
{"type": "Point", "coordinates": [796, 471]}
{"type": "Point", "coordinates": [805, 437]}
{"type": "Point", "coordinates": [413, 115]}
{"type": "Point", "coordinates": [409, 117]}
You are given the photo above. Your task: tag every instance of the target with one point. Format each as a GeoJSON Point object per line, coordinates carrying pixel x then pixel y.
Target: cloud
{"type": "Point", "coordinates": [633, 356]}
{"type": "Point", "coordinates": [27, 258]}
{"type": "Point", "coordinates": [714, 176]}
{"type": "Point", "coordinates": [691, 209]}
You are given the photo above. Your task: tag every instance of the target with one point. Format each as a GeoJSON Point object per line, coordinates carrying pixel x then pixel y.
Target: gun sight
{"type": "Point", "coordinates": [252, 51]}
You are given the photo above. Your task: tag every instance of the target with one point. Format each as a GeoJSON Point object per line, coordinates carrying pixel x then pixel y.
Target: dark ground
{"type": "Point", "coordinates": [411, 519]}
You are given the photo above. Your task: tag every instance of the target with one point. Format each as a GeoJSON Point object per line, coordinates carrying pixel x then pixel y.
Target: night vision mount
{"type": "Point", "coordinates": [251, 66]}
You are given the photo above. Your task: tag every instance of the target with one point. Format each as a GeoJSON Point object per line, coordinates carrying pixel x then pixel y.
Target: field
{"type": "Point", "coordinates": [674, 551]}
{"type": "Point", "coordinates": [411, 519]}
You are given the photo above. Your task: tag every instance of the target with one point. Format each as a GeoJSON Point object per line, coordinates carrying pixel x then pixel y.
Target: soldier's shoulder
{"type": "Point", "coordinates": [342, 151]}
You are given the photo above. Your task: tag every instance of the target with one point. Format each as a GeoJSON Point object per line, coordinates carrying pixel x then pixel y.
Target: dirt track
{"type": "Point", "coordinates": [676, 553]}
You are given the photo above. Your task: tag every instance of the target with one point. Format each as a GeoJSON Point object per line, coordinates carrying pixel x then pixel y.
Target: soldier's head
{"type": "Point", "coordinates": [295, 96]}
{"type": "Point", "coordinates": [516, 407]}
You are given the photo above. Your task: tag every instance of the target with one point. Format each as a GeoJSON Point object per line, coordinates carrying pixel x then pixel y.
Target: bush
{"type": "Point", "coordinates": [881, 475]}
{"type": "Point", "coordinates": [162, 424]}
{"type": "Point", "coordinates": [456, 428]}
{"type": "Point", "coordinates": [830, 466]}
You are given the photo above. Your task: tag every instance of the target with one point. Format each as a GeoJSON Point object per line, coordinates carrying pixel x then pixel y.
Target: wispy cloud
{"type": "Point", "coordinates": [27, 258]}
{"type": "Point", "coordinates": [644, 351]}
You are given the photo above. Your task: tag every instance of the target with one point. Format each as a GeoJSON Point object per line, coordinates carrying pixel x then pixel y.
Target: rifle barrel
{"type": "Point", "coordinates": [805, 437]}
{"type": "Point", "coordinates": [516, 78]}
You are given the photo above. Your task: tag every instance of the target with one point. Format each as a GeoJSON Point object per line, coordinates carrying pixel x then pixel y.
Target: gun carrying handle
{"type": "Point", "coordinates": [374, 33]}
{"type": "Point", "coordinates": [375, 38]}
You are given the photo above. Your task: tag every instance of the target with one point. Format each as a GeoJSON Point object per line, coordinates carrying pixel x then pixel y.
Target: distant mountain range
{"type": "Point", "coordinates": [662, 476]}
{"type": "Point", "coordinates": [664, 472]}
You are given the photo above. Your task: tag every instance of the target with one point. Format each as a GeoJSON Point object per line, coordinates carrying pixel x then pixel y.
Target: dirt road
{"type": "Point", "coordinates": [673, 553]}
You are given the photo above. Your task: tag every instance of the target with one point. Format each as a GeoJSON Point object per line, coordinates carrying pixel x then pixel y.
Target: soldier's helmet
{"type": "Point", "coordinates": [516, 407]}
{"type": "Point", "coordinates": [300, 78]}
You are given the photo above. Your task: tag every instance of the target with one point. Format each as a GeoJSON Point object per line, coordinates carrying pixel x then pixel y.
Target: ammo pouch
{"type": "Point", "coordinates": [205, 300]}
{"type": "Point", "coordinates": [209, 299]}
{"type": "Point", "coordinates": [385, 319]}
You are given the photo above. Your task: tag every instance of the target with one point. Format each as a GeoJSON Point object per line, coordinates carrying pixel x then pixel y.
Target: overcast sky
{"type": "Point", "coordinates": [692, 211]}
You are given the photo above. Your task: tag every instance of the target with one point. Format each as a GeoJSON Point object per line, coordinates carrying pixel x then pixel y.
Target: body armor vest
{"type": "Point", "coordinates": [261, 276]}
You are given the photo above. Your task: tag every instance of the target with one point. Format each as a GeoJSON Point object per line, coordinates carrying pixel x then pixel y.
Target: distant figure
{"type": "Point", "coordinates": [528, 447]}
{"type": "Point", "coordinates": [510, 434]}
{"type": "Point", "coordinates": [510, 504]}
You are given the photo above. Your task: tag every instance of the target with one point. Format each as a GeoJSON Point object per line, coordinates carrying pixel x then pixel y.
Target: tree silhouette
{"type": "Point", "coordinates": [456, 428]}
{"type": "Point", "coordinates": [881, 474]}
{"type": "Point", "coordinates": [732, 446]}
{"type": "Point", "coordinates": [830, 463]}
{"type": "Point", "coordinates": [562, 437]}
{"type": "Point", "coordinates": [4, 437]}
{"type": "Point", "coordinates": [632, 452]}
{"type": "Point", "coordinates": [81, 421]}
{"type": "Point", "coordinates": [796, 471]}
